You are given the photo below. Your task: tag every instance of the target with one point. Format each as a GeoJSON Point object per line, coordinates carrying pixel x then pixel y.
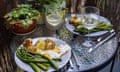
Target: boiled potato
{"type": "Point", "coordinates": [49, 44]}
{"type": "Point", "coordinates": [74, 20]}
{"type": "Point", "coordinates": [77, 21]}
{"type": "Point", "coordinates": [27, 42]}
{"type": "Point", "coordinates": [40, 44]}
{"type": "Point", "coordinates": [71, 21]}
{"type": "Point", "coordinates": [74, 16]}
{"type": "Point", "coordinates": [32, 48]}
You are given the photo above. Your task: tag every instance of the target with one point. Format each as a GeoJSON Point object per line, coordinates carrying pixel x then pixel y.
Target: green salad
{"type": "Point", "coordinates": [101, 26]}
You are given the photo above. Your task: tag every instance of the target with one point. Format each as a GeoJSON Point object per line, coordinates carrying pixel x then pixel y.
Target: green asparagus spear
{"type": "Point", "coordinates": [42, 66]}
{"type": "Point", "coordinates": [32, 57]}
{"type": "Point", "coordinates": [47, 65]}
{"type": "Point", "coordinates": [52, 62]}
{"type": "Point", "coordinates": [100, 27]}
{"type": "Point", "coordinates": [34, 67]}
{"type": "Point", "coordinates": [57, 59]}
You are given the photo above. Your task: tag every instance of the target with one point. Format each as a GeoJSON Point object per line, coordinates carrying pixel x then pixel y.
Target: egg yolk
{"type": "Point", "coordinates": [56, 50]}
{"type": "Point", "coordinates": [47, 55]}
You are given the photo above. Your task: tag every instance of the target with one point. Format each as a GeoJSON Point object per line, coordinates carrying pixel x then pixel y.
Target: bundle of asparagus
{"type": "Point", "coordinates": [37, 61]}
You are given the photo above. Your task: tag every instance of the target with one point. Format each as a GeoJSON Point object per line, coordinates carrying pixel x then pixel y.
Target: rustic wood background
{"type": "Point", "coordinates": [108, 8]}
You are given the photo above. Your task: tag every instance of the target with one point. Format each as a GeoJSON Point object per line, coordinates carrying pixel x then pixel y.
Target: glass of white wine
{"type": "Point", "coordinates": [53, 19]}
{"type": "Point", "coordinates": [90, 18]}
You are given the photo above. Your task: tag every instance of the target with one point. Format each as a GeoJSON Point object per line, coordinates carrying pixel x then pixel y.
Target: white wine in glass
{"type": "Point", "coordinates": [54, 21]}
{"type": "Point", "coordinates": [90, 19]}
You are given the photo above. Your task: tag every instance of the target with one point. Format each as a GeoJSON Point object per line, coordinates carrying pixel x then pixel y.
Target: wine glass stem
{"type": "Point", "coordinates": [88, 38]}
{"type": "Point", "coordinates": [54, 33]}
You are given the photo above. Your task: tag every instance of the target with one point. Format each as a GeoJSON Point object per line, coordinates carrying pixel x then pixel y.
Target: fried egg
{"type": "Point", "coordinates": [57, 52]}
{"type": "Point", "coordinates": [64, 49]}
{"type": "Point", "coordinates": [50, 53]}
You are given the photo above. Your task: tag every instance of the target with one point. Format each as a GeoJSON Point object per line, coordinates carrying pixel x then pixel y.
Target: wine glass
{"type": "Point", "coordinates": [53, 19]}
{"type": "Point", "coordinates": [90, 18]}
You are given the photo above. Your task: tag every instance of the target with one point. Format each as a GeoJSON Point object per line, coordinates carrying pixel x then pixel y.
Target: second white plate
{"type": "Point", "coordinates": [71, 27]}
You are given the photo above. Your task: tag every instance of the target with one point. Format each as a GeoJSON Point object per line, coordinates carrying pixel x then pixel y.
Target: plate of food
{"type": "Point", "coordinates": [42, 54]}
{"type": "Point", "coordinates": [73, 24]}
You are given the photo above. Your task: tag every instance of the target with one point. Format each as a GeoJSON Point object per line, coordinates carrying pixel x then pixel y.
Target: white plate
{"type": "Point", "coordinates": [71, 27]}
{"type": "Point", "coordinates": [65, 57]}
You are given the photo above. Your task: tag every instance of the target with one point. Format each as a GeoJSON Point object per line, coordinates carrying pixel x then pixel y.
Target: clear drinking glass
{"type": "Point", "coordinates": [90, 18]}
{"type": "Point", "coordinates": [53, 19]}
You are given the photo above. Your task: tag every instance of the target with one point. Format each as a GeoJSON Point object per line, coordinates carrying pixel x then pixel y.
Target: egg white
{"type": "Point", "coordinates": [52, 53]}
{"type": "Point", "coordinates": [64, 49]}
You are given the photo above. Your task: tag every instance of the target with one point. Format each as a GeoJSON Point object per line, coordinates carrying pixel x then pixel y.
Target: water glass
{"type": "Point", "coordinates": [53, 19]}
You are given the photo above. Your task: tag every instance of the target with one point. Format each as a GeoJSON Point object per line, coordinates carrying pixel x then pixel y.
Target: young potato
{"type": "Point", "coordinates": [74, 20]}
{"type": "Point", "coordinates": [71, 21]}
{"type": "Point", "coordinates": [40, 44]}
{"type": "Point", "coordinates": [32, 48]}
{"type": "Point", "coordinates": [74, 16]}
{"type": "Point", "coordinates": [49, 44]}
{"type": "Point", "coordinates": [77, 21]}
{"type": "Point", "coordinates": [27, 42]}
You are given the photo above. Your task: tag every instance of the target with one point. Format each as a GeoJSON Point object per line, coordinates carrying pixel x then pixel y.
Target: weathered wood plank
{"type": "Point", "coordinates": [7, 63]}
{"type": "Point", "coordinates": [6, 6]}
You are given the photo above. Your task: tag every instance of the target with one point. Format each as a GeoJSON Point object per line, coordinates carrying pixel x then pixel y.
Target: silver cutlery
{"type": "Point", "coordinates": [71, 68]}
{"type": "Point", "coordinates": [76, 60]}
{"type": "Point", "coordinates": [71, 64]}
{"type": "Point", "coordinates": [109, 32]}
{"type": "Point", "coordinates": [102, 42]}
